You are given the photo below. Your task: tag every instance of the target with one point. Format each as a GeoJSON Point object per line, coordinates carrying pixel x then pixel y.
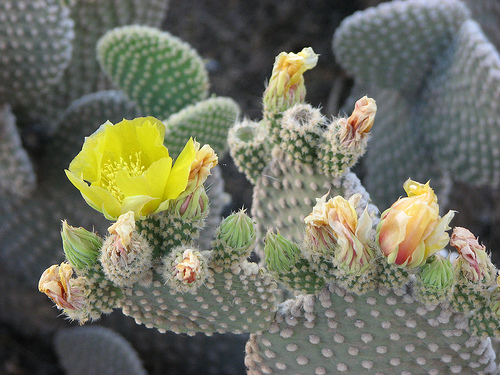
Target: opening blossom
{"type": "Point", "coordinates": [286, 86]}
{"type": "Point", "coordinates": [126, 167]}
{"type": "Point", "coordinates": [349, 234]}
{"type": "Point", "coordinates": [473, 260]}
{"type": "Point", "coordinates": [411, 230]}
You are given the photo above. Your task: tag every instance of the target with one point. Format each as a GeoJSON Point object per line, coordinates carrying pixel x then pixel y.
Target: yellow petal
{"type": "Point", "coordinates": [96, 197]}
{"type": "Point", "coordinates": [178, 179]}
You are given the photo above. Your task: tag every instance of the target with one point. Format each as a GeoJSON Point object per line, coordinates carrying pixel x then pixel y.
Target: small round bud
{"type": "Point", "coordinates": [234, 239]}
{"type": "Point", "coordinates": [434, 280]}
{"type": "Point", "coordinates": [185, 269]}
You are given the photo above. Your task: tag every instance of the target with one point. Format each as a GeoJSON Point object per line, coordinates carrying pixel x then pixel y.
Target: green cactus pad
{"type": "Point", "coordinates": [36, 45]}
{"type": "Point", "coordinates": [158, 71]}
{"type": "Point", "coordinates": [79, 347]}
{"type": "Point", "coordinates": [421, 29]}
{"type": "Point", "coordinates": [234, 300]}
{"type": "Point", "coordinates": [286, 193]}
{"type": "Point", "coordinates": [249, 148]}
{"type": "Point", "coordinates": [17, 177]}
{"type": "Point", "coordinates": [462, 99]}
{"type": "Point", "coordinates": [378, 332]}
{"type": "Point", "coordinates": [208, 121]}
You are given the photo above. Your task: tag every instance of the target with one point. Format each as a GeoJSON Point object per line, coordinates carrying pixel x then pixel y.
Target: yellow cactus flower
{"type": "Point", "coordinates": [411, 230]}
{"type": "Point", "coordinates": [126, 167]}
{"type": "Point", "coordinates": [286, 86]}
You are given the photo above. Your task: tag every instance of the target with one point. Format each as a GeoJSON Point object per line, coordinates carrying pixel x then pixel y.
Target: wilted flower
{"type": "Point", "coordinates": [66, 292]}
{"type": "Point", "coordinates": [185, 269]}
{"type": "Point", "coordinates": [286, 86]}
{"type": "Point", "coordinates": [189, 268]}
{"type": "Point", "coordinates": [472, 257]}
{"type": "Point", "coordinates": [336, 221]}
{"type": "Point", "coordinates": [205, 159]}
{"type": "Point", "coordinates": [358, 125]}
{"type": "Point", "coordinates": [411, 230]}
{"type": "Point", "coordinates": [126, 255]}
{"type": "Point", "coordinates": [125, 167]}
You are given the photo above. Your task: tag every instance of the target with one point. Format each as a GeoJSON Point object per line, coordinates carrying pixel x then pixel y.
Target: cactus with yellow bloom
{"type": "Point", "coordinates": [372, 292]}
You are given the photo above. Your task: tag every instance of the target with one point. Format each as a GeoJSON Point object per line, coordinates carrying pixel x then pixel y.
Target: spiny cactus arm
{"type": "Point", "coordinates": [158, 71]}
{"type": "Point", "coordinates": [378, 332]}
{"type": "Point", "coordinates": [36, 46]}
{"type": "Point", "coordinates": [291, 187]}
{"type": "Point", "coordinates": [96, 350]}
{"type": "Point", "coordinates": [209, 119]}
{"type": "Point", "coordinates": [460, 100]}
{"type": "Point", "coordinates": [227, 294]}
{"type": "Point", "coordinates": [17, 178]}
{"type": "Point", "coordinates": [408, 33]}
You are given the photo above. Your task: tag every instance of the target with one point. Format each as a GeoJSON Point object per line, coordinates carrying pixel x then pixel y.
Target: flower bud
{"type": "Point", "coordinates": [281, 254]}
{"type": "Point", "coordinates": [356, 128]}
{"type": "Point", "coordinates": [411, 230]}
{"type": "Point", "coordinates": [435, 280]}
{"type": "Point", "coordinates": [185, 269]}
{"type": "Point", "coordinates": [193, 206]}
{"type": "Point", "coordinates": [81, 247]}
{"type": "Point", "coordinates": [234, 239]}
{"type": "Point", "coordinates": [286, 85]}
{"type": "Point", "coordinates": [126, 255]}
{"type": "Point", "coordinates": [473, 260]}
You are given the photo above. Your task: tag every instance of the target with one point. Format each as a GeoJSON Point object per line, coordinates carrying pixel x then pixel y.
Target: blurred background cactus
{"type": "Point", "coordinates": [237, 72]}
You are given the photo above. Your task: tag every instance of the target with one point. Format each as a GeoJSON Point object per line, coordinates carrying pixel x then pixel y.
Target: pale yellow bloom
{"type": "Point", "coordinates": [411, 230]}
{"type": "Point", "coordinates": [205, 160]}
{"type": "Point", "coordinates": [286, 86]}
{"type": "Point", "coordinates": [338, 222]}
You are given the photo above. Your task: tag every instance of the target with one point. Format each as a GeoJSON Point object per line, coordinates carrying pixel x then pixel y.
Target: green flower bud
{"type": "Point", "coordinates": [435, 280]}
{"type": "Point", "coordinates": [281, 254]}
{"type": "Point", "coordinates": [81, 247]}
{"type": "Point", "coordinates": [237, 231]}
{"type": "Point", "coordinates": [193, 206]}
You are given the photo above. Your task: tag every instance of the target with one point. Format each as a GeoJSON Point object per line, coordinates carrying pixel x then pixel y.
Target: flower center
{"type": "Point", "coordinates": [132, 166]}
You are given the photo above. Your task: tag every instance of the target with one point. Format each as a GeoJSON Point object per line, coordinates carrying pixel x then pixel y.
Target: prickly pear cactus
{"type": "Point", "coordinates": [373, 292]}
{"type": "Point", "coordinates": [435, 75]}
